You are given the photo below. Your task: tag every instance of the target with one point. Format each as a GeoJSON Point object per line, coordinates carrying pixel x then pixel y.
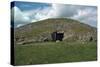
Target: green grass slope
{"type": "Point", "coordinates": [75, 46]}
{"type": "Point", "coordinates": [37, 31]}
{"type": "Point", "coordinates": [52, 52]}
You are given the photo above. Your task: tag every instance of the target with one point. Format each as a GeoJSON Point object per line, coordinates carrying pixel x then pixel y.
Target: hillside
{"type": "Point", "coordinates": [41, 30]}
{"type": "Point", "coordinates": [31, 47]}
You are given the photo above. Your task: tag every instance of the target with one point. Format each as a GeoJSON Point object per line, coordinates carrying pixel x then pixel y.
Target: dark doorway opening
{"type": "Point", "coordinates": [57, 36]}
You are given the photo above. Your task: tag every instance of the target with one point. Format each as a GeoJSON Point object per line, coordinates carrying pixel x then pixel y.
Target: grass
{"type": "Point", "coordinates": [55, 52]}
{"type": "Point", "coordinates": [34, 31]}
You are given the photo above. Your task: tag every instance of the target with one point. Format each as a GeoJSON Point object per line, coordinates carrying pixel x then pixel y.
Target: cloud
{"type": "Point", "coordinates": [60, 10]}
{"type": "Point", "coordinates": [86, 14]}
{"type": "Point", "coordinates": [19, 17]}
{"type": "Point", "coordinates": [42, 14]}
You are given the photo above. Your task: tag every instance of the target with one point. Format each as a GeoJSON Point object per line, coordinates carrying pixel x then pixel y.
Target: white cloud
{"type": "Point", "coordinates": [19, 17]}
{"type": "Point", "coordinates": [61, 10]}
{"type": "Point", "coordinates": [24, 17]}
{"type": "Point", "coordinates": [20, 25]}
{"type": "Point", "coordinates": [86, 14]}
{"type": "Point", "coordinates": [42, 14]}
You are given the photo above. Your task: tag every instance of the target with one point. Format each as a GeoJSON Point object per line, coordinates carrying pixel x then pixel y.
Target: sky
{"type": "Point", "coordinates": [29, 12]}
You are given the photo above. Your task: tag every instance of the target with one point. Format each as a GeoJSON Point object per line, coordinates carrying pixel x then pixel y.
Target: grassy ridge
{"type": "Point", "coordinates": [36, 31]}
{"type": "Point", "coordinates": [52, 52]}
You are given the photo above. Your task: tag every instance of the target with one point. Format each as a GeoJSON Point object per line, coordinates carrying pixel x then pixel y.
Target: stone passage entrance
{"type": "Point", "coordinates": [57, 36]}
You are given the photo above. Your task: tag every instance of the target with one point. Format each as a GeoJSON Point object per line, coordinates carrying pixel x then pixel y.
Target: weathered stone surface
{"type": "Point", "coordinates": [41, 31]}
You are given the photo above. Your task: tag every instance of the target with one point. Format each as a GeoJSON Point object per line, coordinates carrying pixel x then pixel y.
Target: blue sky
{"type": "Point", "coordinates": [29, 5]}
{"type": "Point", "coordinates": [29, 12]}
